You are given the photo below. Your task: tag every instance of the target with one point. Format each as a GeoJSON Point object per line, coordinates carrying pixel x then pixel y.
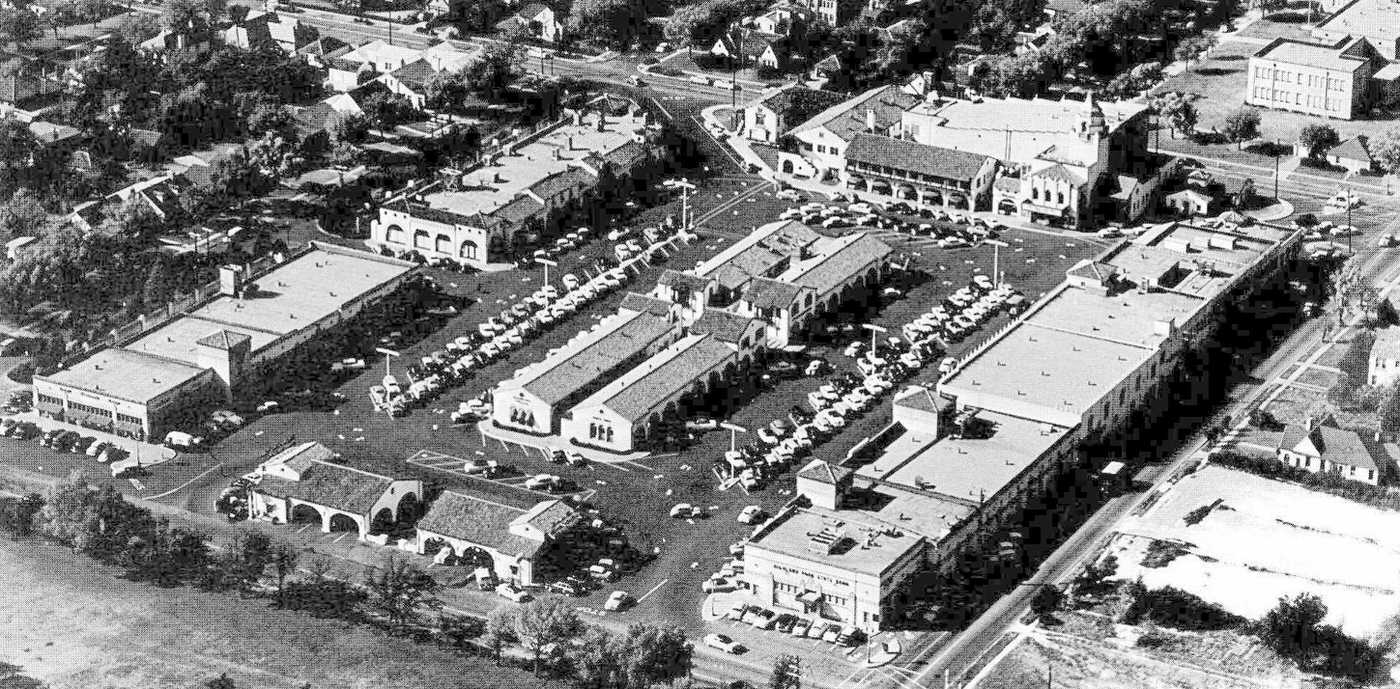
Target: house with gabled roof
{"type": "Point", "coordinates": [506, 536]}
{"type": "Point", "coordinates": [1353, 154]}
{"type": "Point", "coordinates": [919, 173]}
{"type": "Point", "coordinates": [305, 483]}
{"type": "Point", "coordinates": [822, 139]}
{"type": "Point", "coordinates": [537, 18]}
{"type": "Point", "coordinates": [410, 81]}
{"type": "Point", "coordinates": [322, 50]}
{"type": "Point", "coordinates": [1325, 449]}
{"type": "Point", "coordinates": [752, 47]}
{"type": "Point", "coordinates": [773, 114]}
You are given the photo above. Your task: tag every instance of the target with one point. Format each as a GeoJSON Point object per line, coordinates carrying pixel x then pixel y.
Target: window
{"type": "Point", "coordinates": [127, 418]}
{"type": "Point", "coordinates": [470, 250]}
{"type": "Point", "coordinates": [1059, 197]}
{"type": "Point", "coordinates": [759, 118]}
{"type": "Point", "coordinates": [1035, 193]}
{"type": "Point", "coordinates": [50, 399]}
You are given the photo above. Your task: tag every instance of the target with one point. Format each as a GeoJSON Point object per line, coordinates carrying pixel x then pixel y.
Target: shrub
{"type": "Point", "coordinates": [1268, 467]}
{"type": "Point", "coordinates": [1161, 554]}
{"type": "Point", "coordinates": [1172, 607]}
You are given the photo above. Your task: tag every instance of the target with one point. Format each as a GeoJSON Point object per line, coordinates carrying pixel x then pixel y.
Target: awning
{"type": "Point", "coordinates": [810, 597]}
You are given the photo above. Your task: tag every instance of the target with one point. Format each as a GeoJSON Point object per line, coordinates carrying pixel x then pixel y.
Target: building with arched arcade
{"type": "Point", "coordinates": [477, 217]}
{"type": "Point", "coordinates": [513, 541]}
{"type": "Point", "coordinates": [301, 484]}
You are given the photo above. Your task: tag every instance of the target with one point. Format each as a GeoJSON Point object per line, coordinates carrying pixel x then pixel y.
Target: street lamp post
{"type": "Point", "coordinates": [874, 330]}
{"type": "Point", "coordinates": [546, 263]}
{"type": "Point", "coordinates": [734, 431]}
{"type": "Point", "coordinates": [388, 354]}
{"type": "Point", "coordinates": [686, 187]}
{"type": "Point", "coordinates": [997, 246]}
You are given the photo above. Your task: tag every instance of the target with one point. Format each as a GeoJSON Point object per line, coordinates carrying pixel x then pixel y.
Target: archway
{"type": "Point", "coordinates": [1006, 207]}
{"type": "Point", "coordinates": [856, 182]}
{"type": "Point", "coordinates": [443, 244]}
{"type": "Point", "coordinates": [383, 521]}
{"type": "Point", "coordinates": [933, 198]}
{"type": "Point", "coordinates": [787, 167]}
{"type": "Point", "coordinates": [394, 234]}
{"type": "Point", "coordinates": [472, 556]}
{"type": "Point", "coordinates": [471, 250]}
{"type": "Point", "coordinates": [305, 514]}
{"type": "Point", "coordinates": [343, 522]}
{"type": "Point", "coordinates": [880, 186]}
{"type": "Point", "coordinates": [907, 192]}
{"type": "Point", "coordinates": [409, 508]}
{"type": "Point", "coordinates": [421, 239]}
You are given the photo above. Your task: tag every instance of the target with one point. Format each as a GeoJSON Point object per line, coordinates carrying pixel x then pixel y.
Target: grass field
{"type": "Point", "coordinates": [73, 623]}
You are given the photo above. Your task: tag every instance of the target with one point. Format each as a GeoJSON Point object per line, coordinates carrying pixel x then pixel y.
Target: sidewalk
{"type": "Point", "coordinates": [547, 443]}
{"type": "Point", "coordinates": [149, 454]}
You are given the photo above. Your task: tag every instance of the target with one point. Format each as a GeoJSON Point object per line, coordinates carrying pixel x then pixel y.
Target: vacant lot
{"type": "Point", "coordinates": [1266, 539]}
{"type": "Point", "coordinates": [73, 623]}
{"type": "Point", "coordinates": [1061, 661]}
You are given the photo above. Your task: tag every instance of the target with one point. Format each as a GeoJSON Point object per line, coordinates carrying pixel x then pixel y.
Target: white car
{"type": "Point", "coordinates": [854, 349]}
{"type": "Point", "coordinates": [1344, 200]}
{"type": "Point", "coordinates": [788, 195]}
{"type": "Point", "coordinates": [685, 510]}
{"type": "Point", "coordinates": [540, 481]}
{"type": "Point", "coordinates": [618, 600]}
{"type": "Point", "coordinates": [751, 514]}
{"type": "Point", "coordinates": [570, 281]}
{"type": "Point", "coordinates": [723, 643]}
{"type": "Point", "coordinates": [512, 593]}
{"type": "Point", "coordinates": [391, 386]}
{"type": "Point", "coordinates": [719, 584]}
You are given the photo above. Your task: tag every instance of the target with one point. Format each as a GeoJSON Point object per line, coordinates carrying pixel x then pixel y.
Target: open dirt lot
{"type": "Point", "coordinates": [74, 624]}
{"type": "Point", "coordinates": [1266, 539]}
{"type": "Point", "coordinates": [1061, 661]}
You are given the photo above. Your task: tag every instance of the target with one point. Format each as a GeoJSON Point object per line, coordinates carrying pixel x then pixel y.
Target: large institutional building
{"type": "Point", "coordinates": [202, 357]}
{"type": "Point", "coordinates": [1340, 79]}
{"type": "Point", "coordinates": [1060, 162]}
{"type": "Point", "coordinates": [1014, 413]}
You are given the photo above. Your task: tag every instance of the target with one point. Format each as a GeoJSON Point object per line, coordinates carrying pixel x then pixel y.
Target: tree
{"type": "Point", "coordinates": [1241, 125]}
{"type": "Point", "coordinates": [347, 127]}
{"type": "Point", "coordinates": [252, 553]}
{"type": "Point", "coordinates": [283, 559]}
{"type": "Point", "coordinates": [458, 629]}
{"type": "Point", "coordinates": [447, 91]}
{"type": "Point", "coordinates": [1291, 627]}
{"type": "Point", "coordinates": [23, 215]}
{"type": "Point", "coordinates": [397, 588]}
{"type": "Point", "coordinates": [136, 28]}
{"type": "Point", "coordinates": [1192, 48]}
{"type": "Point", "coordinates": [612, 23]}
{"type": "Point", "coordinates": [500, 629]}
{"type": "Point", "coordinates": [1096, 574]}
{"type": "Point", "coordinates": [599, 661]}
{"type": "Point", "coordinates": [19, 515]}
{"type": "Point", "coordinates": [1386, 150]}
{"type": "Point", "coordinates": [1318, 139]}
{"type": "Point", "coordinates": [19, 26]}
{"type": "Point", "coordinates": [1047, 600]}
{"type": "Point", "coordinates": [787, 672]}
{"type": "Point", "coordinates": [543, 622]}
{"type": "Point", "coordinates": [221, 682]}
{"type": "Point", "coordinates": [92, 10]}
{"type": "Point", "coordinates": [651, 654]}
{"type": "Point", "coordinates": [497, 67]}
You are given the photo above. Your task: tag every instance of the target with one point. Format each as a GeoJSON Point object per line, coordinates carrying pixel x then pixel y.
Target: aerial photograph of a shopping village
{"type": "Point", "coordinates": [618, 344]}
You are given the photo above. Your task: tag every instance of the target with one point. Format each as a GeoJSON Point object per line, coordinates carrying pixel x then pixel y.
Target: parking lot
{"type": "Point", "coordinates": [637, 495]}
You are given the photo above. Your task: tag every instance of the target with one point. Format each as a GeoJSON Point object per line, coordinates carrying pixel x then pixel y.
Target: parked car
{"type": "Point", "coordinates": [724, 643]}
{"type": "Point", "coordinates": [619, 600]}
{"type": "Point", "coordinates": [567, 588]}
{"type": "Point", "coordinates": [686, 510]}
{"type": "Point", "coordinates": [512, 593]}
{"type": "Point", "coordinates": [719, 584]}
{"type": "Point", "coordinates": [751, 515]}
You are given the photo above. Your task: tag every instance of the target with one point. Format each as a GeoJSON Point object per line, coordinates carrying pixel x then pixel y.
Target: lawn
{"type": "Point", "coordinates": [73, 623]}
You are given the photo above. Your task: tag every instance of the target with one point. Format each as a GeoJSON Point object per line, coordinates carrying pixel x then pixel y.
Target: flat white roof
{"type": "Point", "coordinates": [1038, 128]}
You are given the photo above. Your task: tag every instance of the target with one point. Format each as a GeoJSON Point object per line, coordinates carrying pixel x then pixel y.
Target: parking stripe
{"type": "Point", "coordinates": [653, 590]}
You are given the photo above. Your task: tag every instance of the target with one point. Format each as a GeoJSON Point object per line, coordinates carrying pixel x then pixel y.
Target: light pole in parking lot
{"type": "Point", "coordinates": [686, 187]}
{"type": "Point", "coordinates": [997, 246]}
{"type": "Point", "coordinates": [388, 354]}
{"type": "Point", "coordinates": [873, 330]}
{"type": "Point", "coordinates": [734, 431]}
{"type": "Point", "coordinates": [546, 263]}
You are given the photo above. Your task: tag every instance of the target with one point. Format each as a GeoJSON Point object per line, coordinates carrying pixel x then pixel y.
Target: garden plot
{"type": "Point", "coordinates": [1265, 539]}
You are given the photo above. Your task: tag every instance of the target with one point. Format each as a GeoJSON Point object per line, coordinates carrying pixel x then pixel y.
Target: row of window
{"type": "Point", "coordinates": [916, 176]}
{"type": "Point", "coordinates": [1316, 81]}
{"type": "Point", "coordinates": [522, 417]}
{"type": "Point", "coordinates": [597, 431]}
{"type": "Point", "coordinates": [1281, 97]}
{"type": "Point", "coordinates": [50, 399]}
{"type": "Point", "coordinates": [89, 409]}
{"type": "Point", "coordinates": [1035, 195]}
{"type": "Point", "coordinates": [442, 244]}
{"type": "Point", "coordinates": [127, 418]}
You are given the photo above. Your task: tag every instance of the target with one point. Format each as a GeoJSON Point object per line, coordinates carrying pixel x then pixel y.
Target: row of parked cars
{"type": "Point", "coordinates": [61, 440]}
{"type": "Point", "coordinates": [760, 617]}
{"type": "Point", "coordinates": [494, 339]}
{"type": "Point", "coordinates": [951, 228]}
{"type": "Point", "coordinates": [964, 312]}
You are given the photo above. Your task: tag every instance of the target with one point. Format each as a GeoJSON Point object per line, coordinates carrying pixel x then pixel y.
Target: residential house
{"type": "Point", "coordinates": [834, 12]}
{"type": "Point", "coordinates": [1190, 201]}
{"type": "Point", "coordinates": [771, 116]}
{"type": "Point", "coordinates": [1341, 80]}
{"type": "Point", "coordinates": [197, 41]}
{"type": "Point", "coordinates": [269, 31]}
{"type": "Point", "coordinates": [322, 50]}
{"type": "Point", "coordinates": [537, 18]}
{"type": "Point", "coordinates": [1383, 366]}
{"type": "Point", "coordinates": [783, 19]}
{"type": "Point", "coordinates": [411, 81]}
{"type": "Point", "coordinates": [1353, 154]}
{"type": "Point", "coordinates": [1324, 449]}
{"type": "Point", "coordinates": [752, 47]}
{"type": "Point", "coordinates": [22, 80]}
{"type": "Point", "coordinates": [346, 72]}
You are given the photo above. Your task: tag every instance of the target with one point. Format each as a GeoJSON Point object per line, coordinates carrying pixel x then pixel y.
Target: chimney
{"type": "Point", "coordinates": [870, 120]}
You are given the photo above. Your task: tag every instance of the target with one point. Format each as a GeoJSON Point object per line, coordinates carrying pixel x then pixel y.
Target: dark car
{"type": "Point", "coordinates": [784, 369]}
{"type": "Point", "coordinates": [785, 622]}
{"type": "Point", "coordinates": [81, 444]}
{"type": "Point", "coordinates": [64, 440]}
{"type": "Point", "coordinates": [26, 430]}
{"type": "Point", "coordinates": [47, 440]}
{"type": "Point", "coordinates": [558, 456]}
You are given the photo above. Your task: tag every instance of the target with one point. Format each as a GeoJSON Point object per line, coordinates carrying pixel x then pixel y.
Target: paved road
{"type": "Point", "coordinates": [964, 650]}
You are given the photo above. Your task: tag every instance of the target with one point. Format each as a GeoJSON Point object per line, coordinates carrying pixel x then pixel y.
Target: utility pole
{"type": "Point", "coordinates": [546, 263]}
{"type": "Point", "coordinates": [874, 329]}
{"type": "Point", "coordinates": [1276, 157]}
{"type": "Point", "coordinates": [997, 244]}
{"type": "Point", "coordinates": [734, 431]}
